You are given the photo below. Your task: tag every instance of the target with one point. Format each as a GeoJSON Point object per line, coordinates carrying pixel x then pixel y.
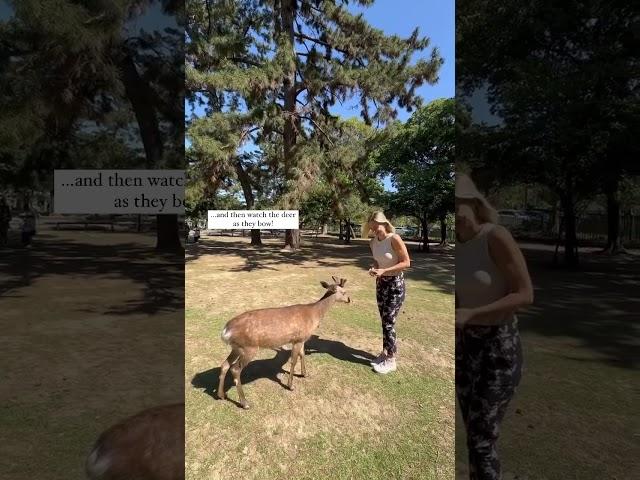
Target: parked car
{"type": "Point", "coordinates": [407, 232]}
{"type": "Point", "coordinates": [512, 218]}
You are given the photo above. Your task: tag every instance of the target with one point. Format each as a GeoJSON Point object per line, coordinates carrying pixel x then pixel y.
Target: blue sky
{"type": "Point", "coordinates": [436, 20]}
{"type": "Point", "coordinates": [5, 10]}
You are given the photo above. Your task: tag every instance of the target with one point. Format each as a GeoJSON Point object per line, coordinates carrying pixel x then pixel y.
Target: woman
{"type": "Point", "coordinates": [390, 259]}
{"type": "Point", "coordinates": [492, 283]}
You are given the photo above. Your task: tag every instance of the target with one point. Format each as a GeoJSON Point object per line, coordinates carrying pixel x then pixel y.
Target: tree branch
{"type": "Point", "coordinates": [209, 18]}
{"type": "Point", "coordinates": [303, 117]}
{"type": "Point", "coordinates": [245, 133]}
{"type": "Point", "coordinates": [314, 8]}
{"type": "Point", "coordinates": [317, 41]}
{"type": "Point", "coordinates": [245, 60]}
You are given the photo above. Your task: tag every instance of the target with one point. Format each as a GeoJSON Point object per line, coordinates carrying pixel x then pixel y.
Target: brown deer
{"type": "Point", "coordinates": [146, 446]}
{"type": "Point", "coordinates": [273, 328]}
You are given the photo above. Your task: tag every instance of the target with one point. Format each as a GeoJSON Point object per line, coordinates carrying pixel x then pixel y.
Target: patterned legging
{"type": "Point", "coordinates": [390, 293]}
{"type": "Point", "coordinates": [488, 370]}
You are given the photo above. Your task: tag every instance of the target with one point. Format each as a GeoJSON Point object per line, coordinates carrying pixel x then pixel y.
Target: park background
{"type": "Point", "coordinates": [573, 415]}
{"type": "Point", "coordinates": [92, 314]}
{"type": "Point", "coordinates": [350, 112]}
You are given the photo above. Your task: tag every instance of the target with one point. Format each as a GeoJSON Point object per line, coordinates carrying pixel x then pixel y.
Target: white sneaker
{"type": "Point", "coordinates": [379, 359]}
{"type": "Point", "coordinates": [387, 366]}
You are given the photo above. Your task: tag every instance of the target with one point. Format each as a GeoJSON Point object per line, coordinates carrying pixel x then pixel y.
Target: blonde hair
{"type": "Point", "coordinates": [466, 189]}
{"type": "Point", "coordinates": [380, 217]}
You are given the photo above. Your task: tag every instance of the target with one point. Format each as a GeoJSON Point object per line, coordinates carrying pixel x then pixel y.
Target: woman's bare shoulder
{"type": "Point", "coordinates": [396, 239]}
{"type": "Point", "coordinates": [499, 234]}
{"type": "Point", "coordinates": [501, 242]}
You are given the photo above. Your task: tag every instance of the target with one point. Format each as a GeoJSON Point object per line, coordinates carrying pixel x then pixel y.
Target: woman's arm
{"type": "Point", "coordinates": [509, 259]}
{"type": "Point", "coordinates": [403, 257]}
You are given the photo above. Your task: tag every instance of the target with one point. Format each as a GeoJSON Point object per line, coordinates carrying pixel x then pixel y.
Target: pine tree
{"type": "Point", "coordinates": [68, 63]}
{"type": "Point", "coordinates": [281, 65]}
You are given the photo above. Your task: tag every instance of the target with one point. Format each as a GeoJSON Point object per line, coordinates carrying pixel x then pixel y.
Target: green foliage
{"type": "Point", "coordinates": [66, 102]}
{"type": "Point", "coordinates": [419, 157]}
{"type": "Point", "coordinates": [317, 208]}
{"type": "Point", "coordinates": [269, 79]}
{"type": "Point", "coordinates": [557, 75]}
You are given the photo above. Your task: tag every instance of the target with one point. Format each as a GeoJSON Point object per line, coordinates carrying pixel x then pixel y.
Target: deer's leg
{"type": "Point", "coordinates": [302, 364]}
{"type": "Point", "coordinates": [246, 355]}
{"type": "Point", "coordinates": [224, 368]}
{"type": "Point", "coordinates": [295, 353]}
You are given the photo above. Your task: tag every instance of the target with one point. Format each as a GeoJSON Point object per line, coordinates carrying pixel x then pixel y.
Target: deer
{"type": "Point", "coordinates": [273, 328]}
{"type": "Point", "coordinates": [145, 446]}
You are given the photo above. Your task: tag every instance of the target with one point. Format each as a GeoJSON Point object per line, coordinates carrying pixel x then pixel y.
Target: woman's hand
{"type": "Point", "coordinates": [376, 272]}
{"type": "Point", "coordinates": [463, 316]}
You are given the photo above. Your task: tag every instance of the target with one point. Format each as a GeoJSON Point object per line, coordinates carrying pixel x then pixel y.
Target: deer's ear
{"type": "Point", "coordinates": [343, 282]}
{"type": "Point", "coordinates": [335, 280]}
{"type": "Point", "coordinates": [324, 284]}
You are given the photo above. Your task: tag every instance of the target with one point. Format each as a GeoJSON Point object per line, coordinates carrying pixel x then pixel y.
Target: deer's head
{"type": "Point", "coordinates": [337, 288]}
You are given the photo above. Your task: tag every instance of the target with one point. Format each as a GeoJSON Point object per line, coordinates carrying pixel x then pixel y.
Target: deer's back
{"type": "Point", "coordinates": [271, 327]}
{"type": "Point", "coordinates": [147, 446]}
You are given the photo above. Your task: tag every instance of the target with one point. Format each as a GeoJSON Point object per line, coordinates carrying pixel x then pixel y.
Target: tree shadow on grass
{"type": "Point", "coordinates": [597, 305]}
{"type": "Point", "coordinates": [436, 267]}
{"type": "Point", "coordinates": [160, 275]}
{"type": "Point", "coordinates": [270, 368]}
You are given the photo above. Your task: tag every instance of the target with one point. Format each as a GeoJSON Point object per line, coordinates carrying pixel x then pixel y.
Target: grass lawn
{"type": "Point", "coordinates": [91, 325]}
{"type": "Point", "coordinates": [343, 421]}
{"type": "Point", "coordinates": [574, 416]}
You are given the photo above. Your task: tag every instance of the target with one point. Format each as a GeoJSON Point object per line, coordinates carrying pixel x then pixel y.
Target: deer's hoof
{"type": "Point", "coordinates": [245, 405]}
{"type": "Point", "coordinates": [220, 396]}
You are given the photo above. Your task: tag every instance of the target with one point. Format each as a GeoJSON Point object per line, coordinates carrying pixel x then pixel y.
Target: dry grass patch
{"type": "Point", "coordinates": [337, 421]}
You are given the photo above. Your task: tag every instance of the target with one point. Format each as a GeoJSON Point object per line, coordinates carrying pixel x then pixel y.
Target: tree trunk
{"type": "Point", "coordinates": [168, 237]}
{"type": "Point", "coordinates": [325, 229]}
{"type": "Point", "coordinates": [249, 199]}
{"type": "Point", "coordinates": [614, 239]}
{"type": "Point", "coordinates": [425, 234]}
{"type": "Point", "coordinates": [292, 239]}
{"type": "Point", "coordinates": [347, 231]}
{"type": "Point", "coordinates": [558, 232]}
{"type": "Point", "coordinates": [138, 93]}
{"type": "Point", "coordinates": [556, 218]}
{"type": "Point", "coordinates": [443, 230]}
{"type": "Point", "coordinates": [340, 236]}
{"type": "Point", "coordinates": [287, 16]}
{"type": "Point", "coordinates": [570, 238]}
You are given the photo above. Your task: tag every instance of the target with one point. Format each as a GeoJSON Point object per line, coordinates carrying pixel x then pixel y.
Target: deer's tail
{"type": "Point", "coordinates": [226, 335]}
{"type": "Point", "coordinates": [97, 463]}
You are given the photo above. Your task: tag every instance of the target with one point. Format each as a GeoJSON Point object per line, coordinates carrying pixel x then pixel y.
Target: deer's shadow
{"type": "Point", "coordinates": [337, 350]}
{"type": "Point", "coordinates": [270, 368]}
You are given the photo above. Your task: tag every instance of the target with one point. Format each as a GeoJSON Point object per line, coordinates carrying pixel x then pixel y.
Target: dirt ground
{"type": "Point", "coordinates": [92, 332]}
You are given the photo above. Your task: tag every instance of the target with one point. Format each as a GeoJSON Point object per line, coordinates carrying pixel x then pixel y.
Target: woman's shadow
{"type": "Point", "coordinates": [270, 368]}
